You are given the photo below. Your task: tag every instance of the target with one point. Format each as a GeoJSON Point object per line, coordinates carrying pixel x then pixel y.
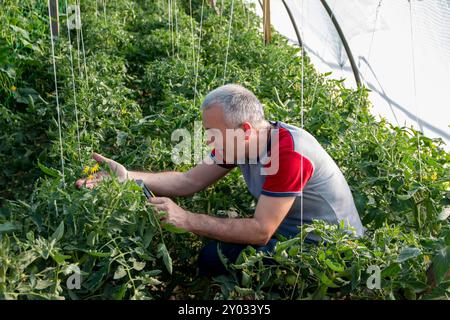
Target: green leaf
{"type": "Point", "coordinates": [120, 272]}
{"type": "Point", "coordinates": [42, 284]}
{"type": "Point", "coordinates": [153, 273]}
{"type": "Point", "coordinates": [30, 236]}
{"type": "Point", "coordinates": [327, 281]}
{"type": "Point", "coordinates": [408, 253]}
{"type": "Point", "coordinates": [95, 280]}
{"type": "Point", "coordinates": [26, 258]}
{"type": "Point", "coordinates": [150, 281]}
{"type": "Point", "coordinates": [444, 214]}
{"type": "Point", "coordinates": [59, 232]}
{"type": "Point", "coordinates": [91, 238]}
{"type": "Point", "coordinates": [441, 264]}
{"type": "Point", "coordinates": [148, 236]}
{"type": "Point", "coordinates": [355, 275]}
{"type": "Point", "coordinates": [138, 266]}
{"type": "Point", "coordinates": [26, 95]}
{"type": "Point", "coordinates": [408, 195]}
{"type": "Point", "coordinates": [404, 197]}
{"type": "Point", "coordinates": [392, 270]}
{"type": "Point", "coordinates": [417, 286]}
{"type": "Point", "coordinates": [246, 279]}
{"type": "Point", "coordinates": [5, 212]}
{"type": "Point", "coordinates": [121, 138]}
{"type": "Point", "coordinates": [438, 293]}
{"type": "Point", "coordinates": [171, 228]}
{"type": "Point", "coordinates": [97, 254]}
{"type": "Point", "coordinates": [50, 171]}
{"type": "Point", "coordinates": [244, 291]}
{"type": "Point", "coordinates": [162, 252]}
{"type": "Point", "coordinates": [222, 257]}
{"type": "Point", "coordinates": [24, 33]}
{"type": "Point", "coordinates": [59, 258]}
{"type": "Point", "coordinates": [335, 266]}
{"type": "Point", "coordinates": [283, 245]}
{"type": "Point", "coordinates": [73, 295]}
{"type": "Point", "coordinates": [321, 255]}
{"type": "Point", "coordinates": [7, 227]}
{"type": "Point", "coordinates": [10, 72]}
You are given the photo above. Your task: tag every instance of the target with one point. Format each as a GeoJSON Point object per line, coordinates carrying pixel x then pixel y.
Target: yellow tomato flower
{"type": "Point", "coordinates": [13, 88]}
{"type": "Point", "coordinates": [95, 168]}
{"type": "Point", "coordinates": [86, 170]}
{"type": "Point", "coordinates": [434, 176]}
{"type": "Point", "coordinates": [447, 186]}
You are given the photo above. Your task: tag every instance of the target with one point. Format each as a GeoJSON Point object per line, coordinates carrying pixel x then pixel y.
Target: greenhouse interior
{"type": "Point", "coordinates": [119, 178]}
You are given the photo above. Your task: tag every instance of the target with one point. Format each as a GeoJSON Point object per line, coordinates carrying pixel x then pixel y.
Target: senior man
{"type": "Point", "coordinates": [293, 178]}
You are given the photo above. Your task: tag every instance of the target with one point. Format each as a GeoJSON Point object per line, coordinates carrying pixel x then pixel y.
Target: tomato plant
{"type": "Point", "coordinates": [143, 81]}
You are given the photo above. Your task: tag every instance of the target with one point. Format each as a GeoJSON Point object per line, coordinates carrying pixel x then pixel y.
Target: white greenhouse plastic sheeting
{"type": "Point", "coordinates": [389, 57]}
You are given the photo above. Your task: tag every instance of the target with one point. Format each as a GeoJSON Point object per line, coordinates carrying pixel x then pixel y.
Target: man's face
{"type": "Point", "coordinates": [228, 149]}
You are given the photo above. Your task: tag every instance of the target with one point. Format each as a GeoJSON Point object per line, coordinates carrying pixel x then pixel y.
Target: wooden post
{"type": "Point", "coordinates": [266, 20]}
{"type": "Point", "coordinates": [213, 5]}
{"type": "Point", "coordinates": [54, 17]}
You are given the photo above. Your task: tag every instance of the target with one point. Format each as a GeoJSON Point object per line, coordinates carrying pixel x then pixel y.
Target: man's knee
{"type": "Point", "coordinates": [207, 253]}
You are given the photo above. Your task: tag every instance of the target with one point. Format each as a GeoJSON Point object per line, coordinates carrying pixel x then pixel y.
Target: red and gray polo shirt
{"type": "Point", "coordinates": [304, 167]}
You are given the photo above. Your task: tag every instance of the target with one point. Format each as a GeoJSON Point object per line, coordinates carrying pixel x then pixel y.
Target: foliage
{"type": "Point", "coordinates": [145, 76]}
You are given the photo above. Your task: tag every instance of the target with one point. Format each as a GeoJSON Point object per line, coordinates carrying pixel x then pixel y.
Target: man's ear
{"type": "Point", "coordinates": [247, 127]}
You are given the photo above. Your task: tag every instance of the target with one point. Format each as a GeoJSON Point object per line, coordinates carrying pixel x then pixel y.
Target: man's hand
{"type": "Point", "coordinates": [116, 167]}
{"type": "Point", "coordinates": [176, 215]}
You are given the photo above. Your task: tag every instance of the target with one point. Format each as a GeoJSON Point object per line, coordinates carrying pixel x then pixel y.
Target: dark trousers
{"type": "Point", "coordinates": [209, 262]}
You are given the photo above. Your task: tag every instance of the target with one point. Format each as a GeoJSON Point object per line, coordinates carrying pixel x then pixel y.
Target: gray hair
{"type": "Point", "coordinates": [239, 105]}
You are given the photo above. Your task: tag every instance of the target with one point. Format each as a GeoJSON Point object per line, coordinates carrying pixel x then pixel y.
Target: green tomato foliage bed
{"type": "Point", "coordinates": [135, 87]}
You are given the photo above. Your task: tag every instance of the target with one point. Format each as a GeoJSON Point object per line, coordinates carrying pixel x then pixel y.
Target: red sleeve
{"type": "Point", "coordinates": [294, 171]}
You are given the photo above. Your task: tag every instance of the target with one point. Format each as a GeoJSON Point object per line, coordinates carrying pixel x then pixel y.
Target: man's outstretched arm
{"type": "Point", "coordinates": [169, 183]}
{"type": "Point", "coordinates": [270, 212]}
{"type": "Point", "coordinates": [173, 183]}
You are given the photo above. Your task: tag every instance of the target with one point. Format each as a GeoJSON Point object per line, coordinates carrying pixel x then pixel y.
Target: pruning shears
{"type": "Point", "coordinates": [148, 193]}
